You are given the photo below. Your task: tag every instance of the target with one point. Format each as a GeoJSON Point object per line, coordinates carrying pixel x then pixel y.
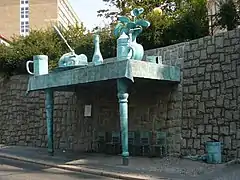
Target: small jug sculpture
{"type": "Point", "coordinates": [97, 56]}
{"type": "Point", "coordinates": [40, 65]}
{"type": "Point", "coordinates": [124, 50]}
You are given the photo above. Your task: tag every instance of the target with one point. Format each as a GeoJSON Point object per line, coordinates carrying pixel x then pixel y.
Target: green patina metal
{"type": "Point", "coordinates": [128, 69]}
{"type": "Point", "coordinates": [70, 59]}
{"type": "Point", "coordinates": [128, 48]}
{"type": "Point", "coordinates": [74, 70]}
{"type": "Point", "coordinates": [122, 86]}
{"type": "Point", "coordinates": [40, 65]}
{"type": "Point", "coordinates": [128, 29]}
{"type": "Point", "coordinates": [97, 56]}
{"type": "Point", "coordinates": [49, 116]}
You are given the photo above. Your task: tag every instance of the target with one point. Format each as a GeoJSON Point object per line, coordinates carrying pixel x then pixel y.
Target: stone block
{"type": "Point", "coordinates": [201, 107]}
{"type": "Point", "coordinates": [219, 42]}
{"type": "Point", "coordinates": [200, 70]}
{"type": "Point", "coordinates": [203, 54]}
{"type": "Point", "coordinates": [204, 139]}
{"type": "Point", "coordinates": [197, 143]}
{"type": "Point", "coordinates": [211, 49]}
{"type": "Point", "coordinates": [208, 129]}
{"type": "Point", "coordinates": [227, 142]}
{"type": "Point", "coordinates": [200, 129]}
{"type": "Point", "coordinates": [190, 143]}
{"type": "Point", "coordinates": [224, 130]}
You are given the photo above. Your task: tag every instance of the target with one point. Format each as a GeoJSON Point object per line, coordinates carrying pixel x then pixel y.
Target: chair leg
{"type": "Point", "coordinates": [152, 151]}
{"type": "Point", "coordinates": [114, 149]}
{"type": "Point", "coordinates": [133, 150]}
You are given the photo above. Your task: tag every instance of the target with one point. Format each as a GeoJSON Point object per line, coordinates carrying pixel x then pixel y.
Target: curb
{"type": "Point", "coordinates": [235, 161]}
{"type": "Point", "coordinates": [76, 168]}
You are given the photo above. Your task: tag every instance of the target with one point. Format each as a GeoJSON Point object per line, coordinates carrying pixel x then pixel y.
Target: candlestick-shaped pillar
{"type": "Point", "coordinates": [122, 86]}
{"type": "Point", "coordinates": [97, 56]}
{"type": "Point", "coordinates": [49, 117]}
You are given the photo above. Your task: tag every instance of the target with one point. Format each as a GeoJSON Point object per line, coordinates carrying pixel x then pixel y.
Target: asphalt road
{"type": "Point", "coordinates": [18, 170]}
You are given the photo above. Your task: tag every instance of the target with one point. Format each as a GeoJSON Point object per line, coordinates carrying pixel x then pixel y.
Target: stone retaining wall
{"type": "Point", "coordinates": [211, 93]}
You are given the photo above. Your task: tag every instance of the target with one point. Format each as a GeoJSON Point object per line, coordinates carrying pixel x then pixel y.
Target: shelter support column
{"type": "Point", "coordinates": [49, 115]}
{"type": "Point", "coordinates": [122, 86]}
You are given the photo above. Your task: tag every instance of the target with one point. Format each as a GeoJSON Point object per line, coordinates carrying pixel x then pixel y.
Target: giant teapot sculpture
{"type": "Point", "coordinates": [70, 59]}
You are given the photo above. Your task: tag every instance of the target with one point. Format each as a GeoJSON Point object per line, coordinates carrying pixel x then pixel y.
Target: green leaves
{"type": "Point", "coordinates": [137, 11]}
{"type": "Point", "coordinates": [123, 19]}
{"type": "Point", "coordinates": [125, 24]}
{"type": "Point", "coordinates": [14, 57]}
{"type": "Point", "coordinates": [125, 30]}
{"type": "Point", "coordinates": [131, 25]}
{"type": "Point", "coordinates": [142, 23]}
{"type": "Point", "coordinates": [117, 29]}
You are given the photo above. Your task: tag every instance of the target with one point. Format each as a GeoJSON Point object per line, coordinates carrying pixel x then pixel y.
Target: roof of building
{"type": "Point", "coordinates": [4, 38]}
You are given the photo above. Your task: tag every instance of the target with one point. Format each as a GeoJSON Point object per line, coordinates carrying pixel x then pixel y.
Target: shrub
{"type": "Point", "coordinates": [188, 22]}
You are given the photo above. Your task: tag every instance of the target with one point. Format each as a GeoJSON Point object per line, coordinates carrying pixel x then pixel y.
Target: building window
{"type": "Point", "coordinates": [22, 12]}
{"type": "Point", "coordinates": [24, 26]}
{"type": "Point", "coordinates": [26, 12]}
{"type": "Point", "coordinates": [24, 17]}
{"type": "Point", "coordinates": [24, 2]}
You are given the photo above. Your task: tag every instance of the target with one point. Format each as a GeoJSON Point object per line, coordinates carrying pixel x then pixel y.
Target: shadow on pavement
{"type": "Point", "coordinates": [16, 168]}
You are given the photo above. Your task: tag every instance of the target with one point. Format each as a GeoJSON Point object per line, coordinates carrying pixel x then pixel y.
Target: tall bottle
{"type": "Point", "coordinates": [97, 56]}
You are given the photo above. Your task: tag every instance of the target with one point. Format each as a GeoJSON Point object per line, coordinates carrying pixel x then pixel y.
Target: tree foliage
{"type": "Point", "coordinates": [186, 21]}
{"type": "Point", "coordinates": [14, 57]}
{"type": "Point", "coordinates": [123, 7]}
{"type": "Point", "coordinates": [176, 21]}
{"type": "Point", "coordinates": [228, 17]}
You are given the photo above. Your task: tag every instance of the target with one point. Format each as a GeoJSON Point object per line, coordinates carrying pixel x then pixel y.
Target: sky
{"type": "Point", "coordinates": [87, 11]}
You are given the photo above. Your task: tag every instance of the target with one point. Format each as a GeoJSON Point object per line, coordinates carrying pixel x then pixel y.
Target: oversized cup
{"type": "Point", "coordinates": [40, 65]}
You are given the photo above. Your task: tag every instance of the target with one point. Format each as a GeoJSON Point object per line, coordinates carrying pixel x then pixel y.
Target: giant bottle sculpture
{"type": "Point", "coordinates": [97, 56]}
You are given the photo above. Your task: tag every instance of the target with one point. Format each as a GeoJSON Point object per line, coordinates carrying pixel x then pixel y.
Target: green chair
{"type": "Point", "coordinates": [143, 143]}
{"type": "Point", "coordinates": [132, 142]}
{"type": "Point", "coordinates": [101, 142]}
{"type": "Point", "coordinates": [145, 138]}
{"type": "Point", "coordinates": [113, 147]}
{"type": "Point", "coordinates": [160, 146]}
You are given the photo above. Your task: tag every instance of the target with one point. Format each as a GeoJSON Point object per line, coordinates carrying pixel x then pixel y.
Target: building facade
{"type": "Point", "coordinates": [19, 16]}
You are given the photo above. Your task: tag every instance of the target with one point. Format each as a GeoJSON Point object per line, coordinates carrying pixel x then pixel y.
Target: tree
{"type": "Point", "coordinates": [123, 7]}
{"type": "Point", "coordinates": [46, 41]}
{"type": "Point", "coordinates": [228, 16]}
{"type": "Point", "coordinates": [185, 21]}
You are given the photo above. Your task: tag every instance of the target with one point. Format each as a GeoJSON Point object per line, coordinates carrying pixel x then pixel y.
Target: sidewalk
{"type": "Point", "coordinates": [110, 166]}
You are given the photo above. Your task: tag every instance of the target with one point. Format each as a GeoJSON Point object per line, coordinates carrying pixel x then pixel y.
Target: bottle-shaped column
{"type": "Point", "coordinates": [97, 56]}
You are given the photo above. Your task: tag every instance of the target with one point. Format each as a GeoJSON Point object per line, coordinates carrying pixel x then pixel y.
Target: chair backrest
{"type": "Point", "coordinates": [116, 137]}
{"type": "Point", "coordinates": [131, 137]}
{"type": "Point", "coordinates": [102, 136]}
{"type": "Point", "coordinates": [145, 137]}
{"type": "Point", "coordinates": [161, 138]}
